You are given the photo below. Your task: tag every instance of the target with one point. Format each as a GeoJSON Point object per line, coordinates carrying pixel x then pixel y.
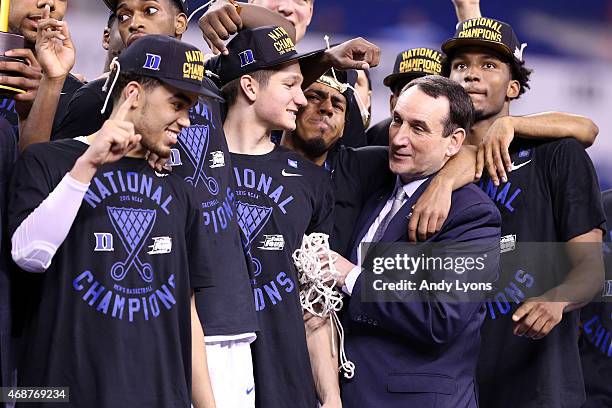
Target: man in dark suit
{"type": "Point", "coordinates": [418, 353]}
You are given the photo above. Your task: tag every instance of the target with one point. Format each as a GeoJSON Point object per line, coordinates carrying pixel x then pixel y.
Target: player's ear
{"type": "Point", "coordinates": [250, 87]}
{"type": "Point", "coordinates": [514, 88]}
{"type": "Point", "coordinates": [131, 88]}
{"type": "Point", "coordinates": [106, 38]}
{"type": "Point", "coordinates": [180, 24]}
{"type": "Point", "coordinates": [456, 140]}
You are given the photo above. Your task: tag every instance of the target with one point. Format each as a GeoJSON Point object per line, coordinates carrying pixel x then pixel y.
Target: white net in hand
{"type": "Point", "coordinates": [318, 293]}
{"type": "Point", "coordinates": [317, 274]}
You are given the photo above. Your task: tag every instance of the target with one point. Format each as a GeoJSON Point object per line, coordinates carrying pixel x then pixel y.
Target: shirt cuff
{"type": "Point", "coordinates": [351, 278]}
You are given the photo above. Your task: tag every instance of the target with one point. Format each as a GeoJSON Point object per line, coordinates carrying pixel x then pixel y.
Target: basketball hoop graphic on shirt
{"type": "Point", "coordinates": [194, 140]}
{"type": "Point", "coordinates": [251, 219]}
{"type": "Point", "coordinates": [133, 225]}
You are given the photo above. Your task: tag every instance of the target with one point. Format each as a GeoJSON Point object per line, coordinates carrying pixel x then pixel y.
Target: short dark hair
{"type": "Point", "coordinates": [231, 89]}
{"type": "Point", "coordinates": [461, 110]}
{"type": "Point", "coordinates": [127, 77]}
{"type": "Point", "coordinates": [112, 18]}
{"type": "Point", "coordinates": [518, 71]}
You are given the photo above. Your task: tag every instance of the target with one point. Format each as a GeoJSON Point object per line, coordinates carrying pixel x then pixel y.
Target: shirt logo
{"type": "Point", "coordinates": [246, 58]}
{"type": "Point", "coordinates": [152, 62]}
{"type": "Point", "coordinates": [217, 159]}
{"type": "Point", "coordinates": [287, 174]}
{"type": "Point", "coordinates": [104, 242]}
{"type": "Point", "coordinates": [175, 158]}
{"type": "Point", "coordinates": [133, 225]}
{"type": "Point", "coordinates": [272, 243]}
{"type": "Point", "coordinates": [507, 243]}
{"type": "Point", "coordinates": [194, 140]}
{"type": "Point", "coordinates": [252, 219]}
{"type": "Point", "coordinates": [161, 245]}
{"type": "Point", "coordinates": [518, 166]}
{"type": "Point", "coordinates": [292, 163]}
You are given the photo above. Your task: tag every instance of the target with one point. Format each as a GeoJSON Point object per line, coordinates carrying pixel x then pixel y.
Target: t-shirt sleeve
{"type": "Point", "coordinates": [82, 116]}
{"type": "Point", "coordinates": [30, 185]}
{"type": "Point", "coordinates": [575, 191]}
{"type": "Point", "coordinates": [323, 219]}
{"type": "Point", "coordinates": [199, 274]}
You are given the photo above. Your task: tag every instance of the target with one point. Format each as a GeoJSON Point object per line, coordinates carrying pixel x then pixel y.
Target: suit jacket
{"type": "Point", "coordinates": [419, 354]}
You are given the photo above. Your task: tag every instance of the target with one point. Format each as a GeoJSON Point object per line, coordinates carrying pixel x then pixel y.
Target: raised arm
{"type": "Point", "coordinates": [432, 207]}
{"type": "Point", "coordinates": [56, 55]}
{"type": "Point", "coordinates": [37, 238]}
{"type": "Point", "coordinates": [493, 151]}
{"type": "Point", "coordinates": [467, 9]}
{"type": "Point", "coordinates": [225, 18]}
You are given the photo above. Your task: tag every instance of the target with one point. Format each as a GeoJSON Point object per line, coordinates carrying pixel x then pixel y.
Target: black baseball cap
{"type": "Point", "coordinates": [260, 48]}
{"type": "Point", "coordinates": [112, 4]}
{"type": "Point", "coordinates": [486, 32]}
{"type": "Point", "coordinates": [173, 62]}
{"type": "Point", "coordinates": [413, 63]}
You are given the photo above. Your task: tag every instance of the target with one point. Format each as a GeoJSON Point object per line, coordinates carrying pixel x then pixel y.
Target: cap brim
{"type": "Point", "coordinates": [390, 80]}
{"type": "Point", "coordinates": [200, 90]}
{"type": "Point", "coordinates": [454, 43]}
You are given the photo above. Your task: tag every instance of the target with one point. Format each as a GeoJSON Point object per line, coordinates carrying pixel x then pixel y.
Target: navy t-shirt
{"type": "Point", "coordinates": [112, 319]}
{"type": "Point", "coordinates": [356, 175]}
{"type": "Point", "coordinates": [8, 152]}
{"type": "Point", "coordinates": [378, 135]}
{"type": "Point", "coordinates": [202, 159]}
{"type": "Point", "coordinates": [280, 196]}
{"type": "Point", "coordinates": [596, 337]}
{"type": "Point", "coordinates": [552, 195]}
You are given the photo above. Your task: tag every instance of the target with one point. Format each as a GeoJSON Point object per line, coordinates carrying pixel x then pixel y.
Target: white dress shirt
{"type": "Point", "coordinates": [409, 189]}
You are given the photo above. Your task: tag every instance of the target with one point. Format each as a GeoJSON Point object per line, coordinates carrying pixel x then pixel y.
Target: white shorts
{"type": "Point", "coordinates": [231, 373]}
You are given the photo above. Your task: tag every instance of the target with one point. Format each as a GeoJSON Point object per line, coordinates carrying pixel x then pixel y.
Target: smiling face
{"type": "Point", "coordinates": [278, 102]}
{"type": "Point", "coordinates": [298, 12]}
{"type": "Point", "coordinates": [417, 146]}
{"type": "Point", "coordinates": [136, 18]}
{"type": "Point", "coordinates": [24, 15]}
{"type": "Point", "coordinates": [320, 123]}
{"type": "Point", "coordinates": [487, 79]}
{"type": "Point", "coordinates": [160, 115]}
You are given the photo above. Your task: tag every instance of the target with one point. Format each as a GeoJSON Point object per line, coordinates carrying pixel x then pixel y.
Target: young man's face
{"type": "Point", "coordinates": [24, 15]}
{"type": "Point", "coordinates": [417, 146]}
{"type": "Point", "coordinates": [136, 18]}
{"type": "Point", "coordinates": [278, 102]}
{"type": "Point", "coordinates": [160, 117]}
{"type": "Point", "coordinates": [299, 12]}
{"type": "Point", "coordinates": [320, 123]}
{"type": "Point", "coordinates": [486, 78]}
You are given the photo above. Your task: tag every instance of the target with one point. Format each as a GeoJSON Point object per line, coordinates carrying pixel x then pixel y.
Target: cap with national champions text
{"type": "Point", "coordinates": [486, 32]}
{"type": "Point", "coordinates": [173, 62]}
{"type": "Point", "coordinates": [260, 48]}
{"type": "Point", "coordinates": [413, 63]}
